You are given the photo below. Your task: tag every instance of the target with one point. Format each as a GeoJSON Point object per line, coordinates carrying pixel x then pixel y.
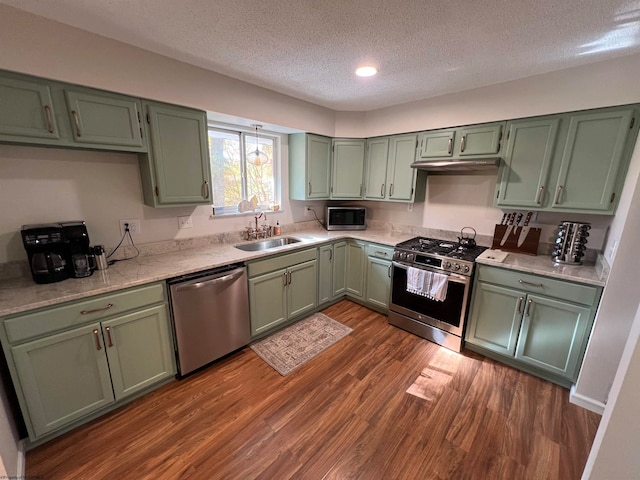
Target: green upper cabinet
{"type": "Point", "coordinates": [102, 119]}
{"type": "Point", "coordinates": [347, 169]}
{"type": "Point", "coordinates": [309, 167]}
{"type": "Point", "coordinates": [176, 171]}
{"type": "Point", "coordinates": [479, 141]}
{"type": "Point", "coordinates": [377, 151]}
{"type": "Point", "coordinates": [401, 178]}
{"type": "Point", "coordinates": [26, 111]}
{"type": "Point", "coordinates": [591, 161]}
{"type": "Point", "coordinates": [527, 159]}
{"type": "Point", "coordinates": [438, 144]}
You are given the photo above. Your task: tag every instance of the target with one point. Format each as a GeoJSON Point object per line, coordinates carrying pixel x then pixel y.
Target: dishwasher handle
{"type": "Point", "coordinates": [217, 279]}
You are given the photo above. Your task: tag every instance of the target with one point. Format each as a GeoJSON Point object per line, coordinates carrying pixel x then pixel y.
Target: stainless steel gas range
{"type": "Point", "coordinates": [433, 317]}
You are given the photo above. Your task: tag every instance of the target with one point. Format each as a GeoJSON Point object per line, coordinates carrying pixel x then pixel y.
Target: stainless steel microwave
{"type": "Point", "coordinates": [346, 218]}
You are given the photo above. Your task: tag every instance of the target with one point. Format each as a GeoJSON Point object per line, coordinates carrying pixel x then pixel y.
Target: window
{"type": "Point", "coordinates": [237, 185]}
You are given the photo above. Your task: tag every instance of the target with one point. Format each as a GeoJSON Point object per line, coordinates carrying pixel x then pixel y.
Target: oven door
{"type": "Point", "coordinates": [447, 315]}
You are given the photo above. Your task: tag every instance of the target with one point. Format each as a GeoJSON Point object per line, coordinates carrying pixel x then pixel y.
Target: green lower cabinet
{"type": "Point", "coordinates": [356, 268]}
{"type": "Point", "coordinates": [378, 282]}
{"type": "Point", "coordinates": [553, 334]}
{"type": "Point", "coordinates": [64, 377]}
{"type": "Point", "coordinates": [279, 296]}
{"type": "Point", "coordinates": [332, 269]}
{"type": "Point", "coordinates": [543, 335]}
{"type": "Point", "coordinates": [139, 350]}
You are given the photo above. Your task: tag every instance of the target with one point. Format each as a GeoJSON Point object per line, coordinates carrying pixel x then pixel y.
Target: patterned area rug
{"type": "Point", "coordinates": [290, 348]}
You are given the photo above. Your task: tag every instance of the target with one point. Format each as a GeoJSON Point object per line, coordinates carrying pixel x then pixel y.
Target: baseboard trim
{"type": "Point", "coordinates": [21, 467]}
{"type": "Point", "coordinates": [585, 402]}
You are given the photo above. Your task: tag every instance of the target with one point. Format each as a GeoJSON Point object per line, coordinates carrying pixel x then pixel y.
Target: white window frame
{"type": "Point", "coordinates": [246, 132]}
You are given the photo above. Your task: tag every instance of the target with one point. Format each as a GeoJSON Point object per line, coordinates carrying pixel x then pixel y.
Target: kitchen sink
{"type": "Point", "coordinates": [267, 244]}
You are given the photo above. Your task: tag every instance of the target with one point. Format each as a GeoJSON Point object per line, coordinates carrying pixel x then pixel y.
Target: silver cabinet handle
{"type": "Point", "coordinates": [463, 143]}
{"type": "Point", "coordinates": [531, 284]}
{"type": "Point", "coordinates": [382, 190]}
{"type": "Point", "coordinates": [284, 281]}
{"type": "Point", "coordinates": [389, 271]}
{"type": "Point", "coordinates": [558, 193]}
{"type": "Point", "coordinates": [87, 312]}
{"type": "Point", "coordinates": [450, 145]}
{"type": "Point", "coordinates": [76, 120]}
{"type": "Point", "coordinates": [309, 189]}
{"type": "Point", "coordinates": [539, 196]}
{"type": "Point", "coordinates": [289, 274]}
{"type": "Point", "coordinates": [379, 252]}
{"type": "Point", "coordinates": [108, 330]}
{"type": "Point", "coordinates": [206, 189]}
{"type": "Point", "coordinates": [47, 111]}
{"type": "Point", "coordinates": [95, 334]}
{"type": "Point", "coordinates": [520, 300]}
{"type": "Point", "coordinates": [330, 255]}
{"type": "Point", "coordinates": [529, 302]}
{"type": "Point", "coordinates": [391, 190]}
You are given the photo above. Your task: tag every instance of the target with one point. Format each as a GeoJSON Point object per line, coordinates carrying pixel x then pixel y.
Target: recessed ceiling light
{"type": "Point", "coordinates": [367, 71]}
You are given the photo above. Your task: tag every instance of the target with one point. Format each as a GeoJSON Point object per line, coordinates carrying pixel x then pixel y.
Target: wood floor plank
{"type": "Point", "coordinates": [345, 414]}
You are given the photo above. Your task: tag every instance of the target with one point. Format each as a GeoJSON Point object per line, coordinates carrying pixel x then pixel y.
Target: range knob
{"type": "Point", "coordinates": [466, 269]}
{"type": "Point", "coordinates": [403, 255]}
{"type": "Point", "coordinates": [446, 265]}
{"type": "Point", "coordinates": [456, 266]}
{"type": "Point", "coordinates": [410, 257]}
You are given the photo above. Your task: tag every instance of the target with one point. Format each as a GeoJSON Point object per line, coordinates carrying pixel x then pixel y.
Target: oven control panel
{"type": "Point", "coordinates": [461, 267]}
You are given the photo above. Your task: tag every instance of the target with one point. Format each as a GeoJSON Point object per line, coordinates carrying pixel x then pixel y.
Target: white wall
{"type": "Point", "coordinates": [614, 454]}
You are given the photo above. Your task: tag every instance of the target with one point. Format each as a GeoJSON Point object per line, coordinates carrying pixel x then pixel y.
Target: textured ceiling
{"type": "Point", "coordinates": [309, 49]}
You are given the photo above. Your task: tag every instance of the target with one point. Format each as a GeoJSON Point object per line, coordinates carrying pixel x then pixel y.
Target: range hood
{"type": "Point", "coordinates": [462, 166]}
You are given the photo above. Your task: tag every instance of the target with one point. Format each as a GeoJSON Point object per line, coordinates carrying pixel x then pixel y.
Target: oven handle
{"type": "Point", "coordinates": [453, 277]}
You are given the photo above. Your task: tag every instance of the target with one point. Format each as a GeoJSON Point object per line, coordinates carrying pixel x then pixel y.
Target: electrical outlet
{"type": "Point", "coordinates": [185, 222]}
{"type": "Point", "coordinates": [134, 226]}
{"type": "Point", "coordinates": [307, 211]}
{"type": "Point", "coordinates": [410, 207]}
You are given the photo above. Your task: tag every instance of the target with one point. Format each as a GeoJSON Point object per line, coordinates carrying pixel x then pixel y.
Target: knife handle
{"type": "Point", "coordinates": [504, 219]}
{"type": "Point", "coordinates": [528, 218]}
{"type": "Point", "coordinates": [518, 218]}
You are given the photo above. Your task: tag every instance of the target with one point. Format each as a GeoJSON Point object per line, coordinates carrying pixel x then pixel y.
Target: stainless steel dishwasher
{"type": "Point", "coordinates": [210, 312]}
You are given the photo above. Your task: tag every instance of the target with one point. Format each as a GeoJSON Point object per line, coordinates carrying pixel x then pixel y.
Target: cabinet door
{"type": "Point", "coordinates": [339, 269]}
{"type": "Point", "coordinates": [378, 282]}
{"type": "Point", "coordinates": [591, 160]}
{"type": "Point", "coordinates": [400, 176]}
{"type": "Point", "coordinates": [553, 335]}
{"type": "Point", "coordinates": [63, 377]}
{"type": "Point", "coordinates": [348, 169]}
{"type": "Point", "coordinates": [179, 155]}
{"type": "Point", "coordinates": [376, 168]}
{"type": "Point", "coordinates": [318, 166]}
{"type": "Point", "coordinates": [356, 267]}
{"type": "Point", "coordinates": [26, 111]}
{"type": "Point", "coordinates": [438, 144]}
{"type": "Point", "coordinates": [267, 300]}
{"type": "Point", "coordinates": [495, 318]}
{"type": "Point", "coordinates": [139, 350]}
{"type": "Point", "coordinates": [525, 172]}
{"type": "Point", "coordinates": [102, 119]}
{"type": "Point", "coordinates": [301, 292]}
{"type": "Point", "coordinates": [325, 273]}
{"type": "Point", "coordinates": [479, 140]}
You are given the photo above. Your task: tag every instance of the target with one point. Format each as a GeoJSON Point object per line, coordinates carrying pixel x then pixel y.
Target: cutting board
{"type": "Point", "coordinates": [493, 255]}
{"type": "Point", "coordinates": [529, 247]}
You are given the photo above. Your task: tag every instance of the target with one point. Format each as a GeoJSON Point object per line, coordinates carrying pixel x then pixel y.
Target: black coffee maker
{"type": "Point", "coordinates": [80, 261]}
{"type": "Point", "coordinates": [47, 252]}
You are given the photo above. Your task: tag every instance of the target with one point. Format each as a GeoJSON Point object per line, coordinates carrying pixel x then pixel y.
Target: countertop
{"type": "Point", "coordinates": [22, 294]}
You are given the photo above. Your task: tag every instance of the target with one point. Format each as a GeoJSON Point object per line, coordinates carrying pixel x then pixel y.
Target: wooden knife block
{"type": "Point", "coordinates": [529, 247]}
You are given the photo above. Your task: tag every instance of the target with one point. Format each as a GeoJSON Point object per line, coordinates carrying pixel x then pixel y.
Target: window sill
{"type": "Point", "coordinates": [251, 213]}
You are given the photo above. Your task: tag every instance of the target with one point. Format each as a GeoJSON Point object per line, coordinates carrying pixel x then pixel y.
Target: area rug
{"type": "Point", "coordinates": [292, 347]}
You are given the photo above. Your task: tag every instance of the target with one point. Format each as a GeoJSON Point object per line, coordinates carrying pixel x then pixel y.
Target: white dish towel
{"type": "Point", "coordinates": [428, 284]}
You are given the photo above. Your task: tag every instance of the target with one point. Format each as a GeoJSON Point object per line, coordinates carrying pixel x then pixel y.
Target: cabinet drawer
{"type": "Point", "coordinates": [282, 261]}
{"type": "Point", "coordinates": [572, 292]}
{"type": "Point", "coordinates": [73, 314]}
{"type": "Point", "coordinates": [380, 251]}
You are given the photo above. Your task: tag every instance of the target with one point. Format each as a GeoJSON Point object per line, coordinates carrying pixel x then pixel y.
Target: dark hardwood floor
{"type": "Point", "coordinates": [345, 414]}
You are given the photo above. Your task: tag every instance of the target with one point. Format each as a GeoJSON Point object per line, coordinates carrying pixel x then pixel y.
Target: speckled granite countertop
{"type": "Point", "coordinates": [543, 265]}
{"type": "Point", "coordinates": [22, 294]}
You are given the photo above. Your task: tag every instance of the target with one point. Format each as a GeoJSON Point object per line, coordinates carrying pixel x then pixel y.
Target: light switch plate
{"type": "Point", "coordinates": [185, 222]}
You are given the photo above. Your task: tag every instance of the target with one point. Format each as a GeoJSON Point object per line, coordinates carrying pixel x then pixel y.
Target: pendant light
{"type": "Point", "coordinates": [257, 157]}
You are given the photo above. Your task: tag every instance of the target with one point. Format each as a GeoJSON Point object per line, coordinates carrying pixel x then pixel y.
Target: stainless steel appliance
{"type": "Point", "coordinates": [210, 313]}
{"type": "Point", "coordinates": [443, 321]}
{"type": "Point", "coordinates": [571, 242]}
{"type": "Point", "coordinates": [346, 218]}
